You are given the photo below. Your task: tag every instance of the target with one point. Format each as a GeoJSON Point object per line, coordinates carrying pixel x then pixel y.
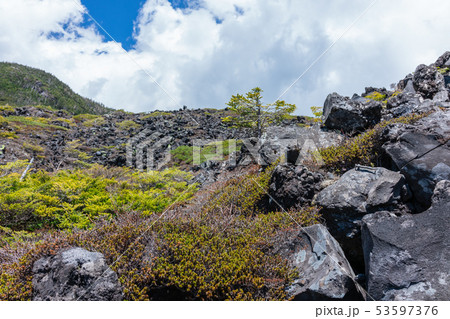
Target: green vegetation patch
{"type": "Point", "coordinates": [215, 253]}
{"type": "Point", "coordinates": [33, 148]}
{"type": "Point", "coordinates": [128, 125]}
{"type": "Point", "coordinates": [363, 149]}
{"type": "Point", "coordinates": [75, 199]}
{"type": "Point", "coordinates": [156, 114]}
{"type": "Point", "coordinates": [376, 96]}
{"type": "Point", "coordinates": [443, 70]}
{"type": "Point", "coordinates": [20, 121]}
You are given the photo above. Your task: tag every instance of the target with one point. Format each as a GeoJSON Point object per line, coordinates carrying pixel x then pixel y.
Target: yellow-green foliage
{"type": "Point", "coordinates": [85, 117]}
{"type": "Point", "coordinates": [317, 111]}
{"type": "Point", "coordinates": [73, 151]}
{"type": "Point", "coordinates": [8, 135]}
{"type": "Point", "coordinates": [242, 194]}
{"type": "Point", "coordinates": [214, 257]}
{"type": "Point", "coordinates": [215, 253]}
{"type": "Point", "coordinates": [6, 109]}
{"type": "Point", "coordinates": [376, 96]}
{"type": "Point", "coordinates": [3, 122]}
{"type": "Point", "coordinates": [443, 70]}
{"type": "Point", "coordinates": [20, 121]}
{"type": "Point", "coordinates": [363, 149]}
{"type": "Point", "coordinates": [127, 125]}
{"type": "Point", "coordinates": [156, 114]}
{"type": "Point", "coordinates": [13, 167]}
{"type": "Point", "coordinates": [32, 148]}
{"type": "Point", "coordinates": [74, 199]}
{"type": "Point", "coordinates": [100, 120]}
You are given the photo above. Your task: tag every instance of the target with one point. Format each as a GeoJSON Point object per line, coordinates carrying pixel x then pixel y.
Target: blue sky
{"type": "Point", "coordinates": [202, 55]}
{"type": "Point", "coordinates": [118, 17]}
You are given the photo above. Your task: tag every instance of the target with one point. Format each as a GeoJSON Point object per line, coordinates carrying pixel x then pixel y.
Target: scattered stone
{"type": "Point", "coordinates": [75, 274]}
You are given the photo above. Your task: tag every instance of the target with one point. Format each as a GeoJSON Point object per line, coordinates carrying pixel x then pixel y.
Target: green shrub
{"type": "Point", "coordinates": [98, 121]}
{"type": "Point", "coordinates": [13, 167]}
{"type": "Point", "coordinates": [317, 111]}
{"type": "Point", "coordinates": [85, 117]}
{"type": "Point", "coordinates": [3, 122]}
{"type": "Point", "coordinates": [75, 199]}
{"type": "Point", "coordinates": [156, 114]}
{"type": "Point", "coordinates": [127, 125]}
{"type": "Point", "coordinates": [32, 148]}
{"type": "Point", "coordinates": [376, 96]}
{"type": "Point", "coordinates": [20, 121]}
{"type": "Point", "coordinates": [7, 109]}
{"type": "Point", "coordinates": [8, 135]}
{"type": "Point", "coordinates": [218, 257]}
{"type": "Point", "coordinates": [363, 149]}
{"type": "Point", "coordinates": [213, 253]}
{"type": "Point", "coordinates": [443, 70]}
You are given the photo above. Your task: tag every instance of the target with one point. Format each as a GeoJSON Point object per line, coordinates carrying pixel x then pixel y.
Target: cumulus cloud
{"type": "Point", "coordinates": [201, 55]}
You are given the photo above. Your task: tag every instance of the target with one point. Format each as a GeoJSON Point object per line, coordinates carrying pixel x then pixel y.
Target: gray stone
{"type": "Point", "coordinates": [356, 193]}
{"type": "Point", "coordinates": [363, 190]}
{"type": "Point", "coordinates": [350, 115]}
{"type": "Point", "coordinates": [443, 61]}
{"type": "Point", "coordinates": [441, 96]}
{"type": "Point", "coordinates": [428, 81]}
{"type": "Point", "coordinates": [401, 99]}
{"type": "Point", "coordinates": [422, 153]}
{"type": "Point", "coordinates": [75, 274]}
{"type": "Point", "coordinates": [324, 272]}
{"type": "Point", "coordinates": [407, 257]}
{"type": "Point", "coordinates": [293, 186]}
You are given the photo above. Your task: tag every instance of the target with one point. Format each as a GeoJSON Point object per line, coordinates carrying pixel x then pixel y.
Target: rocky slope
{"type": "Point", "coordinates": [356, 209]}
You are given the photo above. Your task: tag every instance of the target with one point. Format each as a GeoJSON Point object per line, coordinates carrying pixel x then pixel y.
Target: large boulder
{"type": "Point", "coordinates": [422, 153]}
{"type": "Point", "coordinates": [363, 190]}
{"type": "Point", "coordinates": [293, 186]}
{"type": "Point", "coordinates": [75, 274]}
{"type": "Point", "coordinates": [428, 81]}
{"type": "Point", "coordinates": [358, 192]}
{"type": "Point", "coordinates": [350, 115]}
{"type": "Point", "coordinates": [324, 273]}
{"type": "Point", "coordinates": [407, 257]}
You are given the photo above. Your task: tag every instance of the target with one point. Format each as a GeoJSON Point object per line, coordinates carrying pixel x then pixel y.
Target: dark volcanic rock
{"type": "Point", "coordinates": [443, 61]}
{"type": "Point", "coordinates": [407, 257]}
{"type": "Point", "coordinates": [350, 115]}
{"type": "Point", "coordinates": [428, 81]}
{"type": "Point", "coordinates": [364, 190]}
{"type": "Point", "coordinates": [359, 192]}
{"type": "Point", "coordinates": [293, 186]}
{"type": "Point", "coordinates": [422, 153]}
{"type": "Point", "coordinates": [324, 273]}
{"type": "Point", "coordinates": [75, 274]}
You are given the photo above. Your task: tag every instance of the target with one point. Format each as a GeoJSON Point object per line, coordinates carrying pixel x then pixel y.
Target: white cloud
{"type": "Point", "coordinates": [203, 55]}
